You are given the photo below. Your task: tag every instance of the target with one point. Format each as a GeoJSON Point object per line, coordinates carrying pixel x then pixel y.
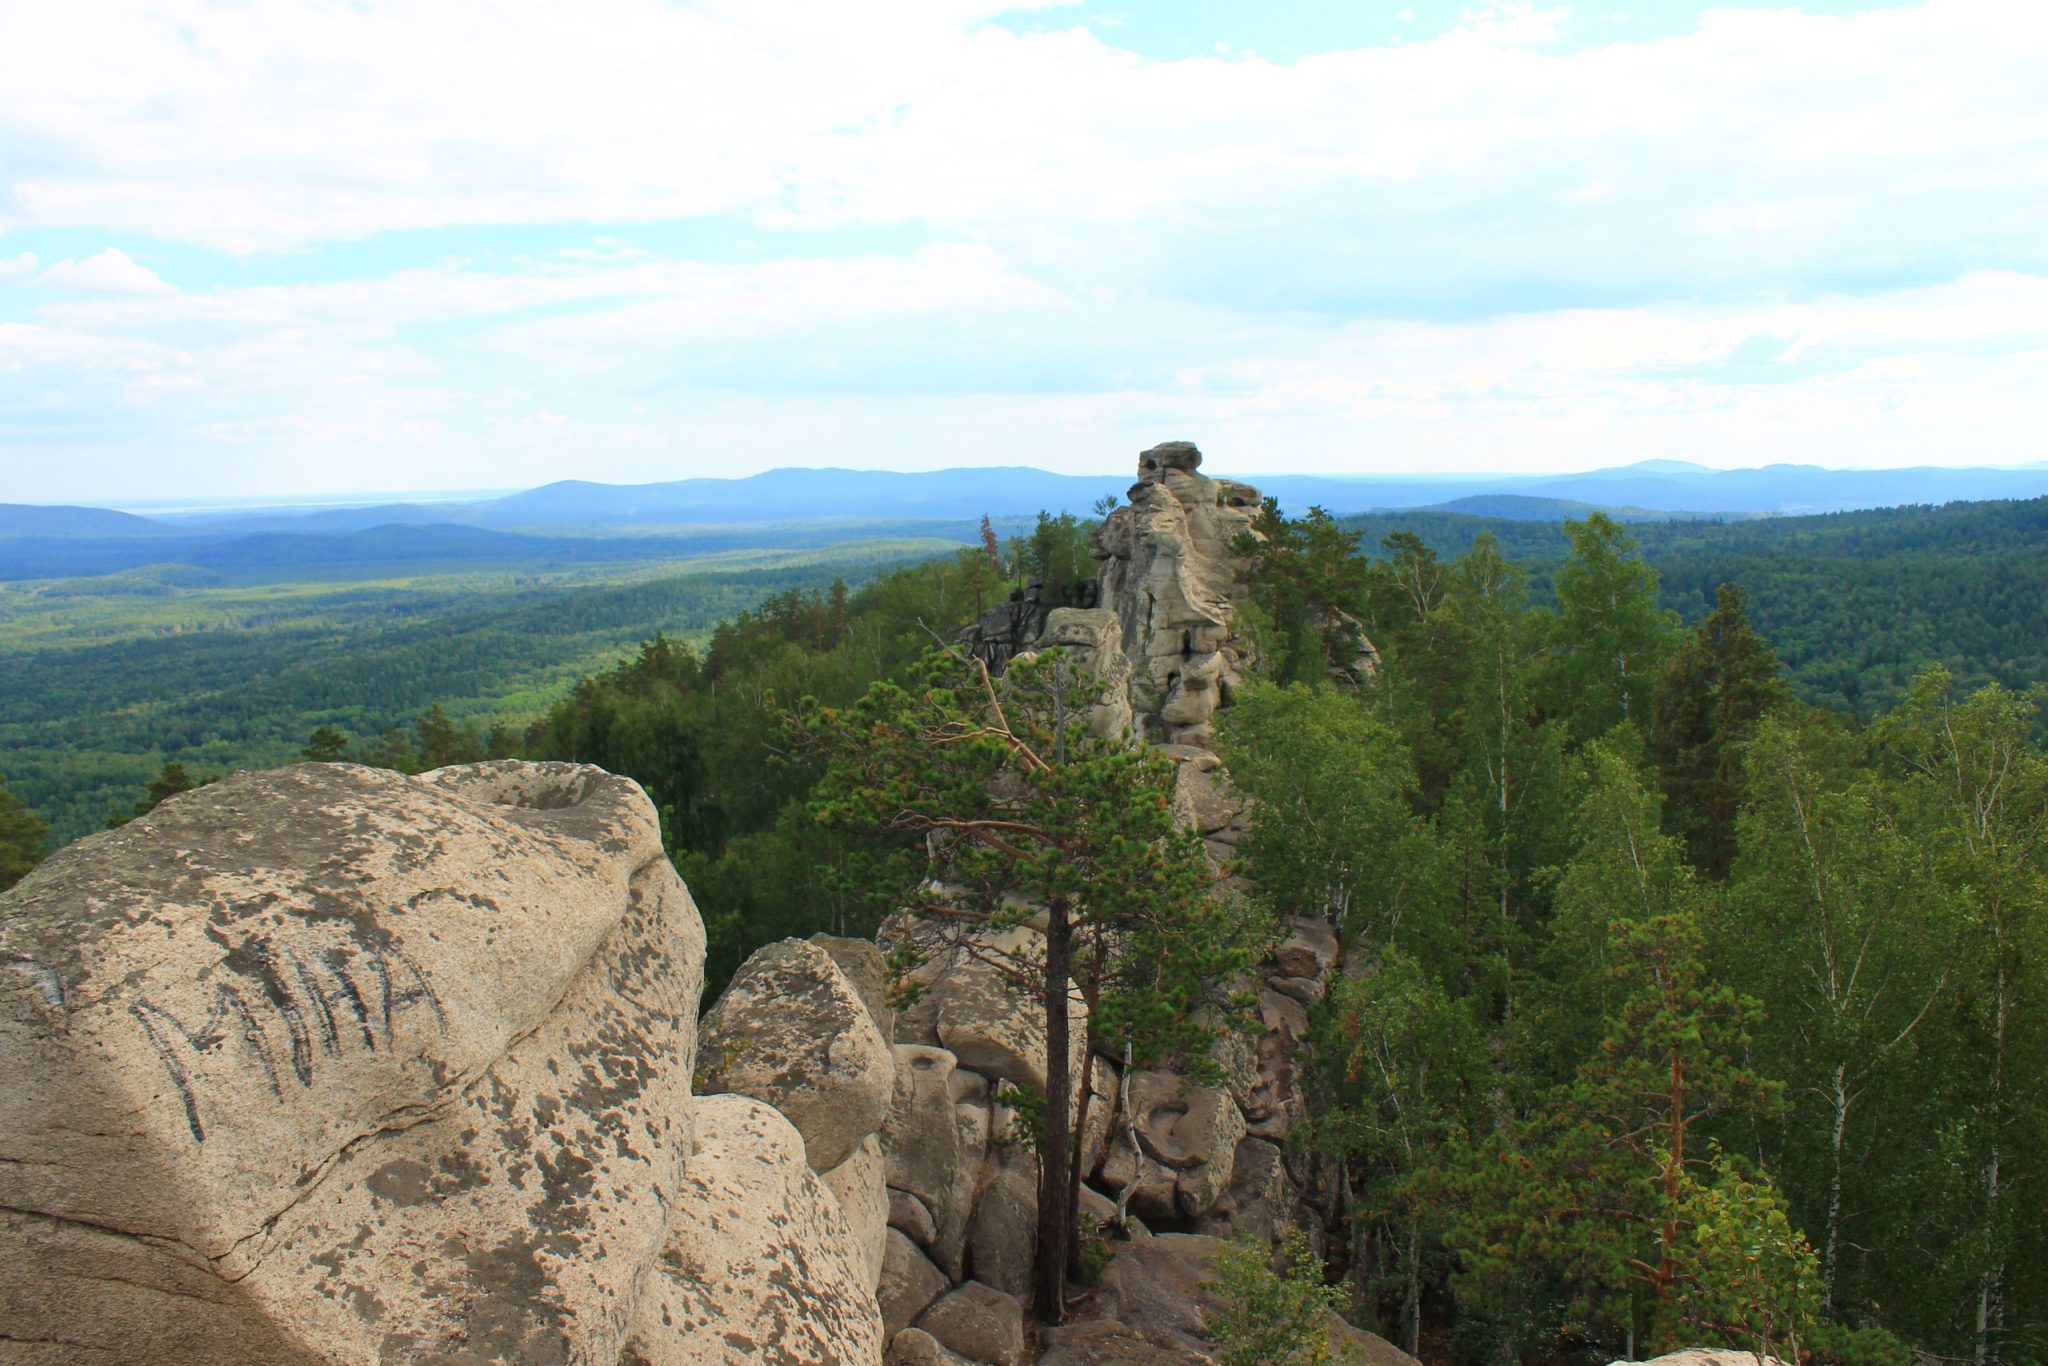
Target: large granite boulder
{"type": "Point", "coordinates": [1112, 1344]}
{"type": "Point", "coordinates": [990, 1023]}
{"type": "Point", "coordinates": [1094, 637]}
{"type": "Point", "coordinates": [759, 1263]}
{"type": "Point", "coordinates": [915, 1347]}
{"type": "Point", "coordinates": [1309, 950]}
{"type": "Point", "coordinates": [1259, 1202]}
{"type": "Point", "coordinates": [932, 1146]}
{"type": "Point", "coordinates": [1158, 1290]}
{"type": "Point", "coordinates": [793, 1031]}
{"type": "Point", "coordinates": [1002, 1238]}
{"type": "Point", "coordinates": [334, 1064]}
{"type": "Point", "coordinates": [866, 971]}
{"type": "Point", "coordinates": [980, 1323]}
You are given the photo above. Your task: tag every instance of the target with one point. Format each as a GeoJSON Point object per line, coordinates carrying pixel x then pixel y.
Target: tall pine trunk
{"type": "Point", "coordinates": [1055, 1165]}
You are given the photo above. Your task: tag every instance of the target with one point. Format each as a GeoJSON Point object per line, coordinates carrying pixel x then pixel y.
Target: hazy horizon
{"type": "Point", "coordinates": [229, 502]}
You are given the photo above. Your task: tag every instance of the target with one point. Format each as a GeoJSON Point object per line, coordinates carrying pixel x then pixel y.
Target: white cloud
{"type": "Point", "coordinates": [1781, 236]}
{"type": "Point", "coordinates": [1483, 168]}
{"type": "Point", "coordinates": [111, 271]}
{"type": "Point", "coordinates": [643, 368]}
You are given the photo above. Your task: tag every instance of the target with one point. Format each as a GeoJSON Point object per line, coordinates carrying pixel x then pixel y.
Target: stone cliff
{"type": "Point", "coordinates": [333, 1065]}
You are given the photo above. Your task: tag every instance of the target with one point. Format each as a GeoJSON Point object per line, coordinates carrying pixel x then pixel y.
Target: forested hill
{"type": "Point", "coordinates": [1853, 601]}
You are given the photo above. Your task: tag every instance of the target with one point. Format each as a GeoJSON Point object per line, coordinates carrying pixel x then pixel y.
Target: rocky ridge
{"type": "Point", "coordinates": [330, 1064]}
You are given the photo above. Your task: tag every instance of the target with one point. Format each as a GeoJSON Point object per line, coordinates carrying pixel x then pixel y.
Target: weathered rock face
{"type": "Point", "coordinates": [1158, 1293]}
{"type": "Point", "coordinates": [1011, 627]}
{"type": "Point", "coordinates": [865, 971]}
{"type": "Point", "coordinates": [331, 1064]}
{"type": "Point", "coordinates": [1168, 572]}
{"type": "Point", "coordinates": [1177, 1146]}
{"type": "Point", "coordinates": [979, 1323]}
{"type": "Point", "coordinates": [860, 1186]}
{"type": "Point", "coordinates": [793, 1031]}
{"type": "Point", "coordinates": [1095, 637]}
{"type": "Point", "coordinates": [909, 1283]}
{"type": "Point", "coordinates": [759, 1264]}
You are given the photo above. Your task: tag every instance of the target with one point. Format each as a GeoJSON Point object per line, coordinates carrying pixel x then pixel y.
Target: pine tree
{"type": "Point", "coordinates": [325, 745]}
{"type": "Point", "coordinates": [1718, 684]}
{"type": "Point", "coordinates": [1609, 638]}
{"type": "Point", "coordinates": [169, 782]}
{"type": "Point", "coordinates": [981, 793]}
{"type": "Point", "coordinates": [1591, 1186]}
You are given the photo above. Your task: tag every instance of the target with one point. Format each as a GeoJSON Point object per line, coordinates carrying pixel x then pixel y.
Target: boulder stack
{"type": "Point", "coordinates": [332, 1064]}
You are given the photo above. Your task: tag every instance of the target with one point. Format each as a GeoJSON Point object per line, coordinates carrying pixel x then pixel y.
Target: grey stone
{"type": "Point", "coordinates": [908, 1214]}
{"type": "Point", "coordinates": [792, 1031]}
{"type": "Point", "coordinates": [1283, 1014]}
{"type": "Point", "coordinates": [1156, 1289]}
{"type": "Point", "coordinates": [759, 1259]}
{"type": "Point", "coordinates": [1002, 1238]}
{"type": "Point", "coordinates": [933, 1148]}
{"type": "Point", "coordinates": [980, 1323]}
{"type": "Point", "coordinates": [859, 1186]}
{"type": "Point", "coordinates": [287, 1057]}
{"type": "Point", "coordinates": [1112, 1344]}
{"type": "Point", "coordinates": [915, 1347]}
{"type": "Point", "coordinates": [1308, 991]}
{"type": "Point", "coordinates": [1258, 1201]}
{"type": "Point", "coordinates": [909, 1283]}
{"type": "Point", "coordinates": [1188, 1135]}
{"type": "Point", "coordinates": [1310, 949]}
{"type": "Point", "coordinates": [866, 969]}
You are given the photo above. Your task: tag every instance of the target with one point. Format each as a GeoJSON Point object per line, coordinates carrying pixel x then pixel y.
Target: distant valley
{"type": "Point", "coordinates": [224, 639]}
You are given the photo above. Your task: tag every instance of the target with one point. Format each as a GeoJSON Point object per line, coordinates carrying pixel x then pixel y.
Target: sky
{"type": "Point", "coordinates": [313, 246]}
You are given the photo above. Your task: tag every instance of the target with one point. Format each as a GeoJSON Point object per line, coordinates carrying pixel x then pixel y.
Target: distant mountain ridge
{"type": "Point", "coordinates": [65, 523]}
{"type": "Point", "coordinates": [786, 508]}
{"type": "Point", "coordinates": [793, 494]}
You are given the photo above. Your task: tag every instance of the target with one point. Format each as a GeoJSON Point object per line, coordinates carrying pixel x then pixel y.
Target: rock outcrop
{"type": "Point", "coordinates": [1177, 1156]}
{"type": "Point", "coordinates": [1169, 573]}
{"type": "Point", "coordinates": [335, 1065]}
{"type": "Point", "coordinates": [330, 1064]}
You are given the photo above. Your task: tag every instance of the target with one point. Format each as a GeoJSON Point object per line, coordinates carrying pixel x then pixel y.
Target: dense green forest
{"type": "Point", "coordinates": [103, 680]}
{"type": "Point", "coordinates": [1679, 1008]}
{"type": "Point", "coordinates": [1855, 602]}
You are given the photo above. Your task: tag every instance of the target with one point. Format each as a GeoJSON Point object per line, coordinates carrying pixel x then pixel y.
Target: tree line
{"type": "Point", "coordinates": [1675, 1009]}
